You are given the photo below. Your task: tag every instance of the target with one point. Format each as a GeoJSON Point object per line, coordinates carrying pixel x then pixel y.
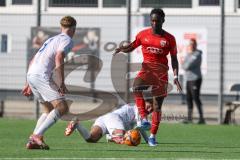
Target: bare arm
{"type": "Point", "coordinates": [175, 72]}
{"type": "Point", "coordinates": [126, 49]}
{"type": "Point", "coordinates": [59, 62]}
{"type": "Point", "coordinates": [174, 65]}
{"type": "Point", "coordinates": [26, 91]}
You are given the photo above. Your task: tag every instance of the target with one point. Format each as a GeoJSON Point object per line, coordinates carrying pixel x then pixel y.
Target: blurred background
{"type": "Point", "coordinates": [102, 26]}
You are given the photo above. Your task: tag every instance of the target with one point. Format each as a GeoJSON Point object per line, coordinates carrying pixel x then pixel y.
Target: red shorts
{"type": "Point", "coordinates": [157, 77]}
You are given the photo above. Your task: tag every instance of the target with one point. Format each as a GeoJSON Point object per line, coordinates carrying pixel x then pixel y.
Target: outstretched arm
{"type": "Point", "coordinates": [125, 48]}
{"type": "Point", "coordinates": [175, 72]}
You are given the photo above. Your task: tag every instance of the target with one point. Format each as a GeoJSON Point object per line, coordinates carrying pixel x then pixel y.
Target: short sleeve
{"type": "Point", "coordinates": [137, 41]}
{"type": "Point", "coordinates": [65, 45]}
{"type": "Point", "coordinates": [121, 110]}
{"type": "Point", "coordinates": [173, 46]}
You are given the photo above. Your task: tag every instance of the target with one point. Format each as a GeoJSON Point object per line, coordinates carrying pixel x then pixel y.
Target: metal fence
{"type": "Point", "coordinates": [185, 19]}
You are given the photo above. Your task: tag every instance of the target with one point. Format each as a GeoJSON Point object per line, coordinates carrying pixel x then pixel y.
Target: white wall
{"type": "Point", "coordinates": [113, 28]}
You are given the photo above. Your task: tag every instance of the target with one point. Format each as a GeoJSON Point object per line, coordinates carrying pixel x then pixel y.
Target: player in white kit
{"type": "Point", "coordinates": [113, 125]}
{"type": "Point", "coordinates": [49, 59]}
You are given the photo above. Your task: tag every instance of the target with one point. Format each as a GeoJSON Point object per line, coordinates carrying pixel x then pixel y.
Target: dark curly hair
{"type": "Point", "coordinates": [158, 11]}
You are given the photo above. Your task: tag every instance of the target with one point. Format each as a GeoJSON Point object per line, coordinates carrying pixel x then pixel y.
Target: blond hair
{"type": "Point", "coordinates": [68, 21]}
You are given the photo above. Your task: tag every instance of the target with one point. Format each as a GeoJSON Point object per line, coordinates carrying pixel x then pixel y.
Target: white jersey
{"type": "Point", "coordinates": [129, 115]}
{"type": "Point", "coordinates": [44, 61]}
{"type": "Point", "coordinates": [124, 118]}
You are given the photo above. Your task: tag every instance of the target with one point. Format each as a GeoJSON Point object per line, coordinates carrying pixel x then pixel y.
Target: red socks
{"type": "Point", "coordinates": [156, 118]}
{"type": "Point", "coordinates": [140, 104]}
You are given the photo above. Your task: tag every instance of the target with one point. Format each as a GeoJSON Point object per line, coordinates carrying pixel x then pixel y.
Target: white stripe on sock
{"type": "Point", "coordinates": [152, 135]}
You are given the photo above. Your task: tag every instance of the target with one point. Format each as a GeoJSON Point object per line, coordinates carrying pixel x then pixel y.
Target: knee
{"type": "Point", "coordinates": [95, 134]}
{"type": "Point", "coordinates": [157, 109]}
{"type": "Point", "coordinates": [47, 107]}
{"type": "Point", "coordinates": [62, 108]}
{"type": "Point", "coordinates": [197, 99]}
{"type": "Point", "coordinates": [93, 139]}
{"type": "Point", "coordinates": [137, 89]}
{"type": "Point", "coordinates": [48, 110]}
{"type": "Point", "coordinates": [190, 107]}
{"type": "Point", "coordinates": [157, 103]}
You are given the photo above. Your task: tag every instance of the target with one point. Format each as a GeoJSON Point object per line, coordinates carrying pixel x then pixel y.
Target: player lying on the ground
{"type": "Point", "coordinates": [113, 125]}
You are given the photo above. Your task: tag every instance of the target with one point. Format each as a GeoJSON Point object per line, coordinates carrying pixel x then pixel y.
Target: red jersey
{"type": "Point", "coordinates": [155, 48]}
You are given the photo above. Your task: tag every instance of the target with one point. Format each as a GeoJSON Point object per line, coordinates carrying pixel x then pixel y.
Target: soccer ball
{"type": "Point", "coordinates": [132, 137]}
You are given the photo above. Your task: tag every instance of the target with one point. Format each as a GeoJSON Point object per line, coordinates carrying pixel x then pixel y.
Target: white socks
{"type": "Point", "coordinates": [152, 135]}
{"type": "Point", "coordinates": [40, 121]}
{"type": "Point", "coordinates": [83, 131]}
{"type": "Point", "coordinates": [51, 119]}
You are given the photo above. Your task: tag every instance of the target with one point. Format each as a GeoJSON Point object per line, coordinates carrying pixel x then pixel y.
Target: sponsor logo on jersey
{"type": "Point", "coordinates": [154, 50]}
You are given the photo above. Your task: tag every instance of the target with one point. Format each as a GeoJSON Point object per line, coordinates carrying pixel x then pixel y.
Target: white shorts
{"type": "Point", "coordinates": [44, 90]}
{"type": "Point", "coordinates": [109, 122]}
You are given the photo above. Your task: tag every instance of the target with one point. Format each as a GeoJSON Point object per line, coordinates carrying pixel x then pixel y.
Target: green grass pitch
{"type": "Point", "coordinates": [176, 141]}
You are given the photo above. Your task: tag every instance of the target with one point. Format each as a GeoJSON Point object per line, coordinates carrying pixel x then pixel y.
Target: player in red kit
{"type": "Point", "coordinates": [156, 45]}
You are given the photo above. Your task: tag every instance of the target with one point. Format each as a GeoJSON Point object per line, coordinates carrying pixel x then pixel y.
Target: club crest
{"type": "Point", "coordinates": [163, 43]}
